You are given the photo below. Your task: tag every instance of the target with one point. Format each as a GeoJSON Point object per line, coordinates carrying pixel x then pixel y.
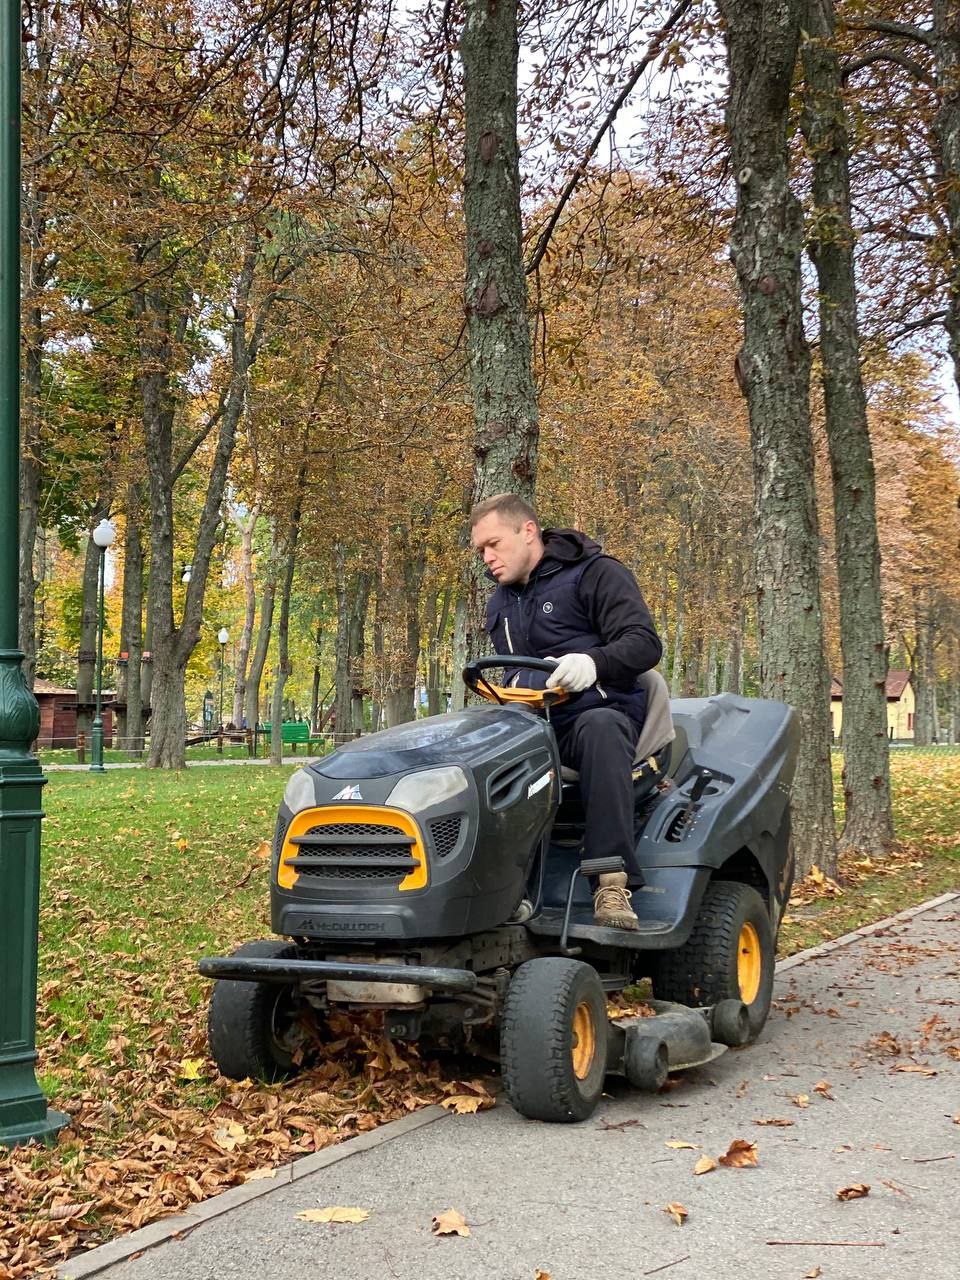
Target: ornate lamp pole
{"type": "Point", "coordinates": [223, 635]}
{"type": "Point", "coordinates": [23, 1108]}
{"type": "Point", "coordinates": [103, 536]}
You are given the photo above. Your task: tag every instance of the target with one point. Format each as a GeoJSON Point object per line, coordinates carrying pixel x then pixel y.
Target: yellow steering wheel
{"type": "Point", "coordinates": [535, 699]}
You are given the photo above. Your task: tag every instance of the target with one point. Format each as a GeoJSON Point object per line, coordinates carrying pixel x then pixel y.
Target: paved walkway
{"type": "Point", "coordinates": [840, 1060]}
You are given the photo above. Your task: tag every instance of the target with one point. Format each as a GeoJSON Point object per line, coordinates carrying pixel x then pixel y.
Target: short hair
{"type": "Point", "coordinates": [509, 506]}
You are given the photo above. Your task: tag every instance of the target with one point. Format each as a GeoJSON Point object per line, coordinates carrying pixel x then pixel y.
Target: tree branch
{"type": "Point", "coordinates": [653, 50]}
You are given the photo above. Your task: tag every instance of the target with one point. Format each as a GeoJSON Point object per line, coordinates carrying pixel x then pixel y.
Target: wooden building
{"type": "Point", "coordinates": [58, 716]}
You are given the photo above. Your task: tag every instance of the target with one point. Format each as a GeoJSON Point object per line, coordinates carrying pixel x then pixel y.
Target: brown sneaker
{"type": "Point", "coordinates": [611, 903]}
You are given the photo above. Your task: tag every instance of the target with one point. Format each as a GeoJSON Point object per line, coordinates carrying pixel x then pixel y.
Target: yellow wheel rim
{"type": "Point", "coordinates": [749, 963]}
{"type": "Point", "coordinates": [584, 1041]}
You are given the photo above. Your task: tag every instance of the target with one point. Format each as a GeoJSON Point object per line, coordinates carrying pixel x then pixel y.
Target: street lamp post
{"type": "Point", "coordinates": [223, 635]}
{"type": "Point", "coordinates": [103, 536]}
{"type": "Point", "coordinates": [23, 1108]}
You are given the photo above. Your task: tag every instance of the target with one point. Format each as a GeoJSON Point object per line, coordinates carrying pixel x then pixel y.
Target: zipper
{"type": "Point", "coordinates": [506, 632]}
{"type": "Point", "coordinates": [600, 689]}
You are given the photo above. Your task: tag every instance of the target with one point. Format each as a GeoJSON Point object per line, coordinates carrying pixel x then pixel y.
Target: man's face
{"type": "Point", "coordinates": [510, 554]}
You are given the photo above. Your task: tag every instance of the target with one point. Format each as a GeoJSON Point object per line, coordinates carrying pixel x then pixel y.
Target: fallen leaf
{"type": "Point", "coordinates": [915, 1068]}
{"type": "Point", "coordinates": [813, 1274]}
{"type": "Point", "coordinates": [740, 1155]}
{"type": "Point", "coordinates": [263, 850]}
{"type": "Point", "coordinates": [467, 1103]}
{"type": "Point", "coordinates": [542, 1275]}
{"type": "Point", "coordinates": [856, 1191]}
{"type": "Point", "coordinates": [450, 1223]}
{"type": "Point", "coordinates": [800, 1100]}
{"type": "Point", "coordinates": [776, 1121]}
{"type": "Point", "coordinates": [705, 1164]}
{"type": "Point", "coordinates": [230, 1135]}
{"type": "Point", "coordinates": [255, 1175]}
{"type": "Point", "coordinates": [677, 1212]}
{"type": "Point", "coordinates": [191, 1069]}
{"type": "Point", "coordinates": [677, 1145]}
{"type": "Point", "coordinates": [182, 845]}
{"type": "Point", "coordinates": [823, 1087]}
{"type": "Point", "coordinates": [334, 1213]}
{"type": "Point", "coordinates": [61, 1212]}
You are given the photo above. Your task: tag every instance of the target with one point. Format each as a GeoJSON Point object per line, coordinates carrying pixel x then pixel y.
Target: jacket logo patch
{"type": "Point", "coordinates": [349, 793]}
{"type": "Point", "coordinates": [547, 607]}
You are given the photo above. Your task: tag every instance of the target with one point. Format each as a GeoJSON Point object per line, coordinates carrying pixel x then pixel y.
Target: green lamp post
{"type": "Point", "coordinates": [23, 1108]}
{"type": "Point", "coordinates": [103, 536]}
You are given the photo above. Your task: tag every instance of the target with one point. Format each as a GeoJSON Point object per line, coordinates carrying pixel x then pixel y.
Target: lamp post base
{"type": "Point", "coordinates": [37, 1124]}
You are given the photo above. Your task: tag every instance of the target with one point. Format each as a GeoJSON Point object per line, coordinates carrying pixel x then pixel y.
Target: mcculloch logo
{"type": "Point", "coordinates": [350, 926]}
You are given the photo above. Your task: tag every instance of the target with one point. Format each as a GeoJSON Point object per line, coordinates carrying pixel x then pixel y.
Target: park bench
{"type": "Point", "coordinates": [292, 733]}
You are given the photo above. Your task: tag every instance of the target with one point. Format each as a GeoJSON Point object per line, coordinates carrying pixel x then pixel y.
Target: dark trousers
{"type": "Point", "coordinates": [600, 744]}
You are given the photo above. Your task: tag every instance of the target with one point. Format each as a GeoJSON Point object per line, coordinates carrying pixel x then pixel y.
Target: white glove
{"type": "Point", "coordinates": [574, 672]}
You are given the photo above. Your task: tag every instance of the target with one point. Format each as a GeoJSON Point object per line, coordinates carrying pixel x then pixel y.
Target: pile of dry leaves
{"type": "Point", "coordinates": [147, 1140]}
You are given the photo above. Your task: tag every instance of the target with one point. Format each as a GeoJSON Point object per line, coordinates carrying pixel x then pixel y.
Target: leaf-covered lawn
{"type": "Point", "coordinates": [143, 873]}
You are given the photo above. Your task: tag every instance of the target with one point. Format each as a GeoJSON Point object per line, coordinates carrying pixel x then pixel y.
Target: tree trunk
{"type": "Point", "coordinates": [506, 424]}
{"type": "Point", "coordinates": [255, 674]}
{"type": "Point", "coordinates": [353, 592]}
{"type": "Point", "coordinates": [946, 155]}
{"type": "Point", "coordinates": [247, 529]}
{"type": "Point", "coordinates": [773, 369]}
{"type": "Point", "coordinates": [378, 696]}
{"type": "Point", "coordinates": [924, 671]}
{"type": "Point", "coordinates": [866, 754]}
{"type": "Point", "coordinates": [172, 646]}
{"type": "Point", "coordinates": [283, 670]}
{"type": "Point", "coordinates": [130, 710]}
{"type": "Point", "coordinates": [434, 629]}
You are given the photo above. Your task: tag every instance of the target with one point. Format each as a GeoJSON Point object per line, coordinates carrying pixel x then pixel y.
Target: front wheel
{"type": "Point", "coordinates": [728, 956]}
{"type": "Point", "coordinates": [252, 1026]}
{"type": "Point", "coordinates": [553, 1039]}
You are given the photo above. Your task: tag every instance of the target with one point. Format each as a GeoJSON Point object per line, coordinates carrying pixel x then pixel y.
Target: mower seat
{"type": "Point", "coordinates": [651, 755]}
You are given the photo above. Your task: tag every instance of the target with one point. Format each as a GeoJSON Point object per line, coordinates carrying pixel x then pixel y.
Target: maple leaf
{"type": "Point", "coordinates": [256, 1175]}
{"type": "Point", "coordinates": [856, 1191]}
{"type": "Point", "coordinates": [813, 1274]}
{"type": "Point", "coordinates": [334, 1213]}
{"type": "Point", "coordinates": [182, 845]}
{"type": "Point", "coordinates": [468, 1103]}
{"type": "Point", "coordinates": [677, 1212]}
{"type": "Point", "coordinates": [679, 1145]}
{"type": "Point", "coordinates": [230, 1135]}
{"type": "Point", "coordinates": [191, 1069]}
{"type": "Point", "coordinates": [800, 1100]}
{"type": "Point", "coordinates": [823, 1087]}
{"type": "Point", "coordinates": [450, 1223]}
{"type": "Point", "coordinates": [263, 850]}
{"type": "Point", "coordinates": [541, 1275]}
{"type": "Point", "coordinates": [740, 1154]}
{"type": "Point", "coordinates": [704, 1165]}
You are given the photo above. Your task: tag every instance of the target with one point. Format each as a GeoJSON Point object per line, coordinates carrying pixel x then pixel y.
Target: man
{"type": "Point", "coordinates": [558, 596]}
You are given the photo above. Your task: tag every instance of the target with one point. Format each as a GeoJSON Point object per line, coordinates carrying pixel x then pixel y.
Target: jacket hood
{"type": "Point", "coordinates": [567, 546]}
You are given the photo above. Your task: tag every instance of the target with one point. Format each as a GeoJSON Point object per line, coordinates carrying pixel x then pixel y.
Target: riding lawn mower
{"type": "Point", "coordinates": [434, 871]}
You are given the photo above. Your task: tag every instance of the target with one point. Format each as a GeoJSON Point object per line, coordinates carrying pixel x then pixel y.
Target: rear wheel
{"type": "Point", "coordinates": [553, 1039]}
{"type": "Point", "coordinates": [252, 1026]}
{"type": "Point", "coordinates": [728, 956]}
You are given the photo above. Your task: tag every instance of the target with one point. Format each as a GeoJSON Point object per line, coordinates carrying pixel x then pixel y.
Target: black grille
{"type": "Point", "coordinates": [354, 851]}
{"type": "Point", "coordinates": [445, 832]}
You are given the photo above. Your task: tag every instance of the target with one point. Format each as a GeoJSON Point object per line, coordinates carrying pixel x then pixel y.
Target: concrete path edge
{"type": "Point", "coordinates": [180, 1225]}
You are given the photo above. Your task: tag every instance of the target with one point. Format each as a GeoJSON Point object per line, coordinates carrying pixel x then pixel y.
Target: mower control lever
{"type": "Point", "coordinates": [700, 783]}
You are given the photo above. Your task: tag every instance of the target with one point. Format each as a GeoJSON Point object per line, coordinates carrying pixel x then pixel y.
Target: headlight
{"type": "Point", "coordinates": [423, 790]}
{"type": "Point", "coordinates": [300, 793]}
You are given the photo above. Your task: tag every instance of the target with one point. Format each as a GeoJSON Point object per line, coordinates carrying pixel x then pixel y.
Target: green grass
{"type": "Point", "coordinates": [144, 871]}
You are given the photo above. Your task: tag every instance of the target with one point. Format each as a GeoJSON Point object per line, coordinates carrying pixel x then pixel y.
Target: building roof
{"type": "Point", "coordinates": [46, 686]}
{"type": "Point", "coordinates": [897, 680]}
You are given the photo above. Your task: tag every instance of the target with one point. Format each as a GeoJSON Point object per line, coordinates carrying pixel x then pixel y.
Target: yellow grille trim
{"type": "Point", "coordinates": [330, 815]}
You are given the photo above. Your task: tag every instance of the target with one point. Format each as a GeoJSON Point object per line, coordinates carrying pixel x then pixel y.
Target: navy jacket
{"type": "Point", "coordinates": [578, 600]}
